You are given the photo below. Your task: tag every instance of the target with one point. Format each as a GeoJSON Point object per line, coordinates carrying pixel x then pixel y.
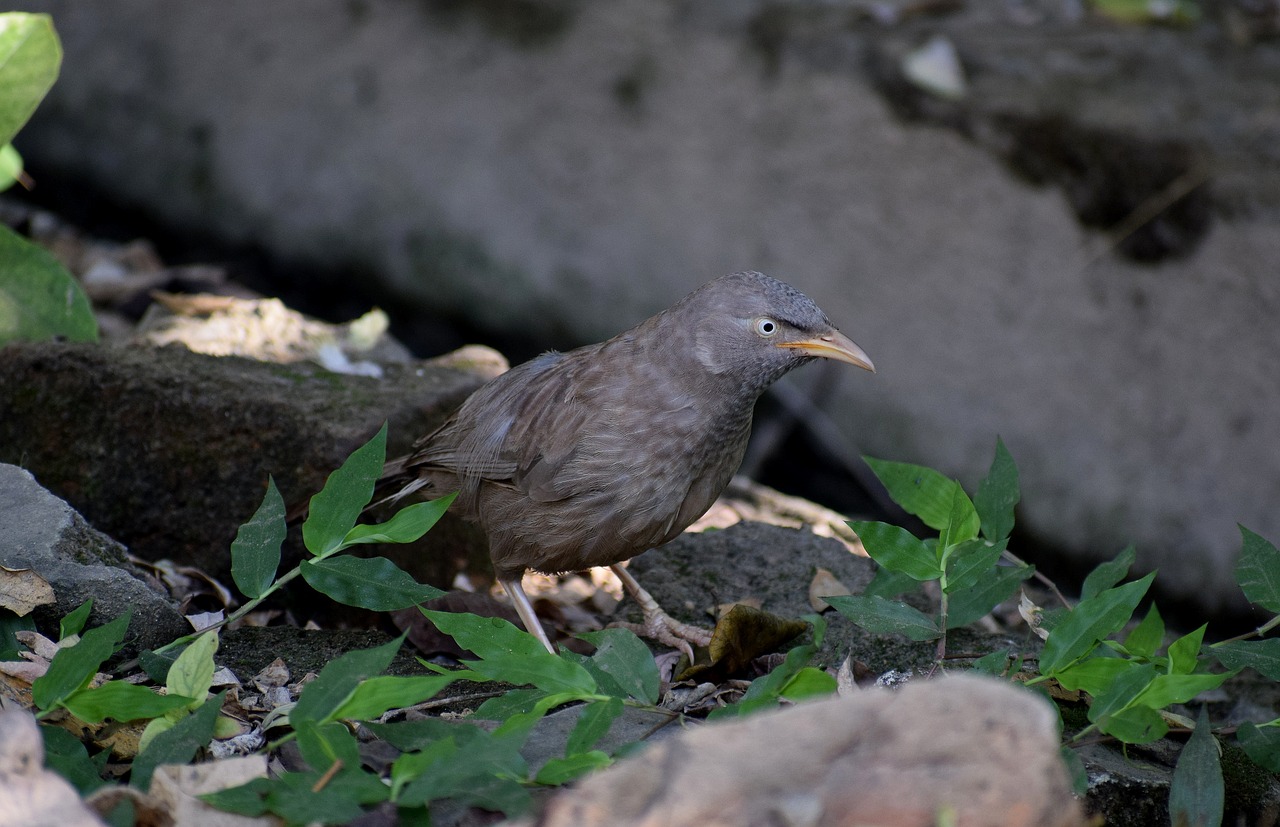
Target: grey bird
{"type": "Point", "coordinates": [590, 457]}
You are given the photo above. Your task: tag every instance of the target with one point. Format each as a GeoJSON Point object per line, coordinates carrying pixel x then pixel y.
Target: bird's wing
{"type": "Point", "coordinates": [519, 429]}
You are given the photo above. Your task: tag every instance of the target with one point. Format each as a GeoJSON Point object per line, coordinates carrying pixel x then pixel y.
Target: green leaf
{"type": "Point", "coordinates": [323, 744]}
{"type": "Point", "coordinates": [373, 583]}
{"type": "Point", "coordinates": [1184, 653]}
{"type": "Point", "coordinates": [1261, 744]}
{"type": "Point", "coordinates": [999, 663]}
{"type": "Point", "coordinates": [485, 771]}
{"type": "Point", "coordinates": [335, 509]}
{"type": "Point", "coordinates": [74, 622]}
{"type": "Point", "coordinates": [72, 668]}
{"type": "Point", "coordinates": [919, 490]}
{"type": "Point", "coordinates": [809, 682]}
{"type": "Point", "coordinates": [1145, 639]}
{"type": "Point", "coordinates": [10, 166]}
{"type": "Point", "coordinates": [411, 736]}
{"type": "Point", "coordinates": [300, 798]}
{"type": "Point", "coordinates": [192, 671]}
{"type": "Point", "coordinates": [1094, 675]}
{"type": "Point", "coordinates": [378, 695]}
{"type": "Point", "coordinates": [971, 562]}
{"type": "Point", "coordinates": [179, 744]}
{"type": "Point", "coordinates": [67, 756]}
{"type": "Point", "coordinates": [962, 523]}
{"type": "Point", "coordinates": [510, 654]}
{"type": "Point", "coordinates": [1258, 571]}
{"type": "Point", "coordinates": [121, 701]}
{"type": "Point", "coordinates": [1260, 655]}
{"type": "Point", "coordinates": [1115, 711]}
{"type": "Point", "coordinates": [514, 702]}
{"type": "Point", "coordinates": [764, 692]}
{"type": "Point", "coordinates": [334, 686]}
{"type": "Point", "coordinates": [967, 605]}
{"type": "Point", "coordinates": [1196, 793]}
{"type": "Point", "coordinates": [1075, 770]}
{"type": "Point", "coordinates": [409, 523]}
{"type": "Point", "coordinates": [889, 584]}
{"type": "Point", "coordinates": [1165, 690]}
{"type": "Point", "coordinates": [997, 495]}
{"type": "Point", "coordinates": [627, 661]}
{"type": "Point", "coordinates": [880, 616]}
{"type": "Point", "coordinates": [10, 625]}
{"type": "Point", "coordinates": [30, 56]}
{"type": "Point", "coordinates": [1107, 574]}
{"type": "Point", "coordinates": [1091, 621]}
{"type": "Point", "coordinates": [897, 549]}
{"type": "Point", "coordinates": [255, 553]}
{"type": "Point", "coordinates": [1135, 725]}
{"type": "Point", "coordinates": [39, 299]}
{"type": "Point", "coordinates": [559, 771]}
{"type": "Point", "coordinates": [593, 724]}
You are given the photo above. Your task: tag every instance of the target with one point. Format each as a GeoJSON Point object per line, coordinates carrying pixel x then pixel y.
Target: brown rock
{"type": "Point", "coordinates": [978, 749]}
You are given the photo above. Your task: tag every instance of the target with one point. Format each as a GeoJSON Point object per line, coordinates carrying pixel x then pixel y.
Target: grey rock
{"type": "Point", "coordinates": [46, 535]}
{"type": "Point", "coordinates": [169, 451]}
{"type": "Point", "coordinates": [571, 167]}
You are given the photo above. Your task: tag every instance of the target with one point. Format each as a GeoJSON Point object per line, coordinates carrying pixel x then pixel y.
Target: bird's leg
{"type": "Point", "coordinates": [524, 608]}
{"type": "Point", "coordinates": [659, 625]}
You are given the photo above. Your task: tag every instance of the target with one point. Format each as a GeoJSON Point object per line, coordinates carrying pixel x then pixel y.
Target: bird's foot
{"type": "Point", "coordinates": [658, 625]}
{"type": "Point", "coordinates": [668, 631]}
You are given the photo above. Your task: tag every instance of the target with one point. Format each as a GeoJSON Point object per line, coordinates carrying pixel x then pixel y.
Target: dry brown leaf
{"type": "Point", "coordinates": [21, 590]}
{"type": "Point", "coordinates": [825, 584]}
{"type": "Point", "coordinates": [175, 790]}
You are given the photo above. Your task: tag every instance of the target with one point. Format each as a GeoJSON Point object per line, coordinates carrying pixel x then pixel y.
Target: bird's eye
{"type": "Point", "coordinates": [766, 327]}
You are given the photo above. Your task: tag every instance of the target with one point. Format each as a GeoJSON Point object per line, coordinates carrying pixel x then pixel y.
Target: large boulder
{"type": "Point", "coordinates": [1071, 244]}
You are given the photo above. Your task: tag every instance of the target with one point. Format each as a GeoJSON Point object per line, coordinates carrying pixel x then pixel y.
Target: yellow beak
{"type": "Point", "coordinates": [833, 345]}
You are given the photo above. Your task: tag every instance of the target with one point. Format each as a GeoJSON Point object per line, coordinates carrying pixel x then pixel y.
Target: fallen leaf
{"type": "Point", "coordinates": [825, 584]}
{"type": "Point", "coordinates": [22, 590]}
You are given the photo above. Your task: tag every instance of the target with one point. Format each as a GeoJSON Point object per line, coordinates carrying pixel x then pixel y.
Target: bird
{"type": "Point", "coordinates": [592, 456]}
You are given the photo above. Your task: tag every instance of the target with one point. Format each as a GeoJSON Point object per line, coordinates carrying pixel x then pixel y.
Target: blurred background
{"type": "Point", "coordinates": [1049, 221]}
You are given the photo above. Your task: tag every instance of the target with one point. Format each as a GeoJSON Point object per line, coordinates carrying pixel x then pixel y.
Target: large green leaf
{"type": "Point", "coordinates": [337, 506]}
{"type": "Point", "coordinates": [971, 562]}
{"type": "Point", "coordinates": [919, 490]}
{"type": "Point", "coordinates": [30, 56]}
{"type": "Point", "coordinates": [1146, 638]}
{"type": "Point", "coordinates": [255, 552]}
{"type": "Point", "coordinates": [898, 550]}
{"type": "Point", "coordinates": [1196, 792]}
{"type": "Point", "coordinates": [1261, 744]}
{"type": "Point", "coordinates": [1091, 621]}
{"type": "Point", "coordinates": [968, 605]}
{"type": "Point", "coordinates": [122, 702]}
{"type": "Point", "coordinates": [880, 616]}
{"type": "Point", "coordinates": [373, 583]}
{"type": "Point", "coordinates": [1261, 655]}
{"type": "Point", "coordinates": [1258, 571]}
{"type": "Point", "coordinates": [627, 663]}
{"type": "Point", "coordinates": [409, 523]}
{"type": "Point", "coordinates": [377, 695]}
{"type": "Point", "coordinates": [334, 686]}
{"type": "Point", "coordinates": [997, 495]}
{"type": "Point", "coordinates": [74, 666]}
{"type": "Point", "coordinates": [1108, 574]}
{"type": "Point", "coordinates": [39, 299]}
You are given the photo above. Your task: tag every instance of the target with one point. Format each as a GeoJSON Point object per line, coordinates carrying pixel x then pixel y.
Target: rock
{"type": "Point", "coordinates": [169, 451]}
{"type": "Point", "coordinates": [47, 536]}
{"type": "Point", "coordinates": [980, 249]}
{"type": "Point", "coordinates": [967, 750]}
{"type": "Point", "coordinates": [30, 795]}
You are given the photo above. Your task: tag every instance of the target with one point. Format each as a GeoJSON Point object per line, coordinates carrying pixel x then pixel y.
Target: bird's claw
{"type": "Point", "coordinates": [668, 631]}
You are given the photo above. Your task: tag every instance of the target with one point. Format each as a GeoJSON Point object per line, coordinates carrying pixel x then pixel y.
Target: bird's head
{"type": "Point", "coordinates": [757, 328]}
